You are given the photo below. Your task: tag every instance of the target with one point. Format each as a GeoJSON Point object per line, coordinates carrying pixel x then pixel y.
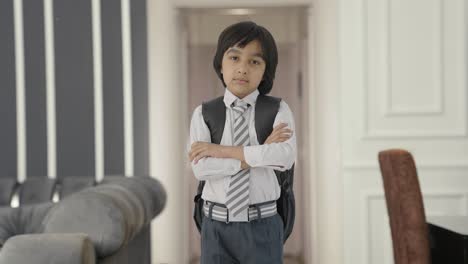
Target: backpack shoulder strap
{"type": "Point", "coordinates": [266, 109]}
{"type": "Point", "coordinates": [214, 114]}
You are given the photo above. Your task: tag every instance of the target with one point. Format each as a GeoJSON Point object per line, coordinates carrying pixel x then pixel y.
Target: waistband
{"type": "Point", "coordinates": [219, 212]}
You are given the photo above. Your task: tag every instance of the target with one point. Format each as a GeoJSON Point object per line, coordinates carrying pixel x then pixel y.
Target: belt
{"type": "Point", "coordinates": [219, 212]}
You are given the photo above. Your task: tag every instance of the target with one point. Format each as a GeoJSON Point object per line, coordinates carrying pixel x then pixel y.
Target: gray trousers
{"type": "Point", "coordinates": [256, 242]}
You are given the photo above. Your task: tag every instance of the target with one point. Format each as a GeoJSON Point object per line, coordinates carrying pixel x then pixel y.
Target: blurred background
{"type": "Point", "coordinates": [100, 87]}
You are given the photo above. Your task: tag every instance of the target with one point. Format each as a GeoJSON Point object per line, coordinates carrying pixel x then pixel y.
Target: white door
{"type": "Point", "coordinates": [403, 68]}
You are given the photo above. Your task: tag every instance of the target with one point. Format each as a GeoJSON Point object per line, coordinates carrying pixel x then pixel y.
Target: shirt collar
{"type": "Point", "coordinates": [229, 98]}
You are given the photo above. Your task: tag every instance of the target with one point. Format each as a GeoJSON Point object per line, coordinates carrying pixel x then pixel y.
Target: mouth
{"type": "Point", "coordinates": [241, 81]}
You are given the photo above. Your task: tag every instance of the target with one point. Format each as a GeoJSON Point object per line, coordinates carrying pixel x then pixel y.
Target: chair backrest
{"type": "Point", "coordinates": [405, 207]}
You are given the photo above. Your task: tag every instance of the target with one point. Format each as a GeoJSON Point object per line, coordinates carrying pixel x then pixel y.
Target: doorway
{"type": "Point", "coordinates": [289, 28]}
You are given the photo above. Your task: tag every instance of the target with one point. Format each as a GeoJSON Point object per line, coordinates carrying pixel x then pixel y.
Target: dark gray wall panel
{"type": "Point", "coordinates": [35, 88]}
{"type": "Point", "coordinates": [74, 87]}
{"type": "Point", "coordinates": [8, 150]}
{"type": "Point", "coordinates": [112, 87]}
{"type": "Point", "coordinates": [140, 87]}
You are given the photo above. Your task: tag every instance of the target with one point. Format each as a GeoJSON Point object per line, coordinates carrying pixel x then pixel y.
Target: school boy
{"type": "Point", "coordinates": [241, 224]}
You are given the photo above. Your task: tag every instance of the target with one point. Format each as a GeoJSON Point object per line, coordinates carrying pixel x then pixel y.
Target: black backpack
{"type": "Point", "coordinates": [266, 108]}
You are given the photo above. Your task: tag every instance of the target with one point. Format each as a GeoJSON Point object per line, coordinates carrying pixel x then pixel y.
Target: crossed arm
{"type": "Point", "coordinates": [200, 149]}
{"type": "Point", "coordinates": [213, 161]}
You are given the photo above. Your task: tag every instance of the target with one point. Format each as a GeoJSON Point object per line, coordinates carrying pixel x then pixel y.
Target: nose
{"type": "Point", "coordinates": [242, 70]}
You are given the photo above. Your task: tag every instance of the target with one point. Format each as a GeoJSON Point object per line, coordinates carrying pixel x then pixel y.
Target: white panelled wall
{"type": "Point", "coordinates": [403, 83]}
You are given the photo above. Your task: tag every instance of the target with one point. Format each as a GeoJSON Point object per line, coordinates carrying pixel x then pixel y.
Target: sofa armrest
{"type": "Point", "coordinates": [48, 249]}
{"type": "Point", "coordinates": [111, 214]}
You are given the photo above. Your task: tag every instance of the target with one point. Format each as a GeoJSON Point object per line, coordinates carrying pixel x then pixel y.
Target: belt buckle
{"type": "Point", "coordinates": [227, 215]}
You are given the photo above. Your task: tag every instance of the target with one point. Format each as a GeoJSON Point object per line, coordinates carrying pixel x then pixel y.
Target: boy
{"type": "Point", "coordinates": [241, 224]}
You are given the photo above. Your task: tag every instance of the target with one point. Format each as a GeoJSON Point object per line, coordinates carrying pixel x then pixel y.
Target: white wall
{"type": "Point", "coordinates": [403, 83]}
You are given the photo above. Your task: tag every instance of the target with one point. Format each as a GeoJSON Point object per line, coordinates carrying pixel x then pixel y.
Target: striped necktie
{"type": "Point", "coordinates": [237, 197]}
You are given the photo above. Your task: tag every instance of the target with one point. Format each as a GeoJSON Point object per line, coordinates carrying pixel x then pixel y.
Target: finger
{"type": "Point", "coordinates": [288, 134]}
{"type": "Point", "coordinates": [281, 138]}
{"type": "Point", "coordinates": [285, 130]}
{"type": "Point", "coordinates": [199, 157]}
{"type": "Point", "coordinates": [280, 125]}
{"type": "Point", "coordinates": [282, 130]}
{"type": "Point", "coordinates": [196, 159]}
{"type": "Point", "coordinates": [195, 153]}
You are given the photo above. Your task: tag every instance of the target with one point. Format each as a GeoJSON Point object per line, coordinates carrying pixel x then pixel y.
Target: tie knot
{"type": "Point", "coordinates": [240, 106]}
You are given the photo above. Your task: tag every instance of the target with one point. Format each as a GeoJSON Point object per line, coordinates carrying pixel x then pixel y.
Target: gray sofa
{"type": "Point", "coordinates": [105, 223]}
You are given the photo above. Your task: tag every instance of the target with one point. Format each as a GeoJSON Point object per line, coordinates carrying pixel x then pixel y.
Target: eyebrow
{"type": "Point", "coordinates": [235, 50]}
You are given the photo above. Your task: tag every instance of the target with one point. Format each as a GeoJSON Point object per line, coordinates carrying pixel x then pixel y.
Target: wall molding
{"type": "Point", "coordinates": [437, 108]}
{"type": "Point", "coordinates": [370, 133]}
{"type": "Point", "coordinates": [368, 196]}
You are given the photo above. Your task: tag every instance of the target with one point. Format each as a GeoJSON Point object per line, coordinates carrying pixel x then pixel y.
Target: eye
{"type": "Point", "coordinates": [256, 62]}
{"type": "Point", "coordinates": [234, 58]}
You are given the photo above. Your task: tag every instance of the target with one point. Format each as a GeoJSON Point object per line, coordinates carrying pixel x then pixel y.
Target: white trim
{"type": "Point", "coordinates": [50, 88]}
{"type": "Point", "coordinates": [98, 100]}
{"type": "Point", "coordinates": [20, 91]}
{"type": "Point", "coordinates": [311, 168]}
{"type": "Point", "coordinates": [324, 126]}
{"type": "Point", "coordinates": [127, 87]}
{"type": "Point", "coordinates": [167, 113]}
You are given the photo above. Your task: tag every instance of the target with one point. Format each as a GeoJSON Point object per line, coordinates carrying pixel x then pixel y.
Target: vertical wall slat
{"type": "Point", "coordinates": [98, 100]}
{"type": "Point", "coordinates": [74, 88]}
{"type": "Point", "coordinates": [8, 152]}
{"type": "Point", "coordinates": [20, 90]}
{"type": "Point", "coordinates": [112, 87]}
{"type": "Point", "coordinates": [35, 88]}
{"type": "Point", "coordinates": [49, 43]}
{"type": "Point", "coordinates": [140, 88]}
{"type": "Point", "coordinates": [127, 87]}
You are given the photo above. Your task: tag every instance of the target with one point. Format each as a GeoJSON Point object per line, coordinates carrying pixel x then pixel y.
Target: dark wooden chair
{"type": "Point", "coordinates": [405, 207]}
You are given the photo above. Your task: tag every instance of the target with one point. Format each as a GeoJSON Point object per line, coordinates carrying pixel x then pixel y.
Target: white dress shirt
{"type": "Point", "coordinates": [261, 158]}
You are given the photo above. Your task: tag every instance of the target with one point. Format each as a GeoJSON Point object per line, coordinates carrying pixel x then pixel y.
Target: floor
{"type": "Point", "coordinates": [286, 259]}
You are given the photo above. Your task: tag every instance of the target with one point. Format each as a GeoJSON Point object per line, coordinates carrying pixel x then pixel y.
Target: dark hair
{"type": "Point", "coordinates": [241, 34]}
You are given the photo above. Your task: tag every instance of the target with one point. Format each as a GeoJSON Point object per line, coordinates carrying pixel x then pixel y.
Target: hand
{"type": "Point", "coordinates": [279, 134]}
{"type": "Point", "coordinates": [244, 165]}
{"type": "Point", "coordinates": [200, 150]}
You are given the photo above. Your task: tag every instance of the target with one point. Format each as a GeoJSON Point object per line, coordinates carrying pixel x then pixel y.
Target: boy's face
{"type": "Point", "coordinates": [243, 68]}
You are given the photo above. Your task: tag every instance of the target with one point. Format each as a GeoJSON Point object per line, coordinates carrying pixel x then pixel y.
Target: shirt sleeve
{"type": "Point", "coordinates": [278, 156]}
{"type": "Point", "coordinates": [208, 168]}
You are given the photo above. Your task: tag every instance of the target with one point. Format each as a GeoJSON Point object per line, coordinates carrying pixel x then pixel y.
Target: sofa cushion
{"type": "Point", "coordinates": [22, 220]}
{"type": "Point", "coordinates": [73, 184]}
{"type": "Point", "coordinates": [91, 213]}
{"type": "Point", "coordinates": [36, 190]}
